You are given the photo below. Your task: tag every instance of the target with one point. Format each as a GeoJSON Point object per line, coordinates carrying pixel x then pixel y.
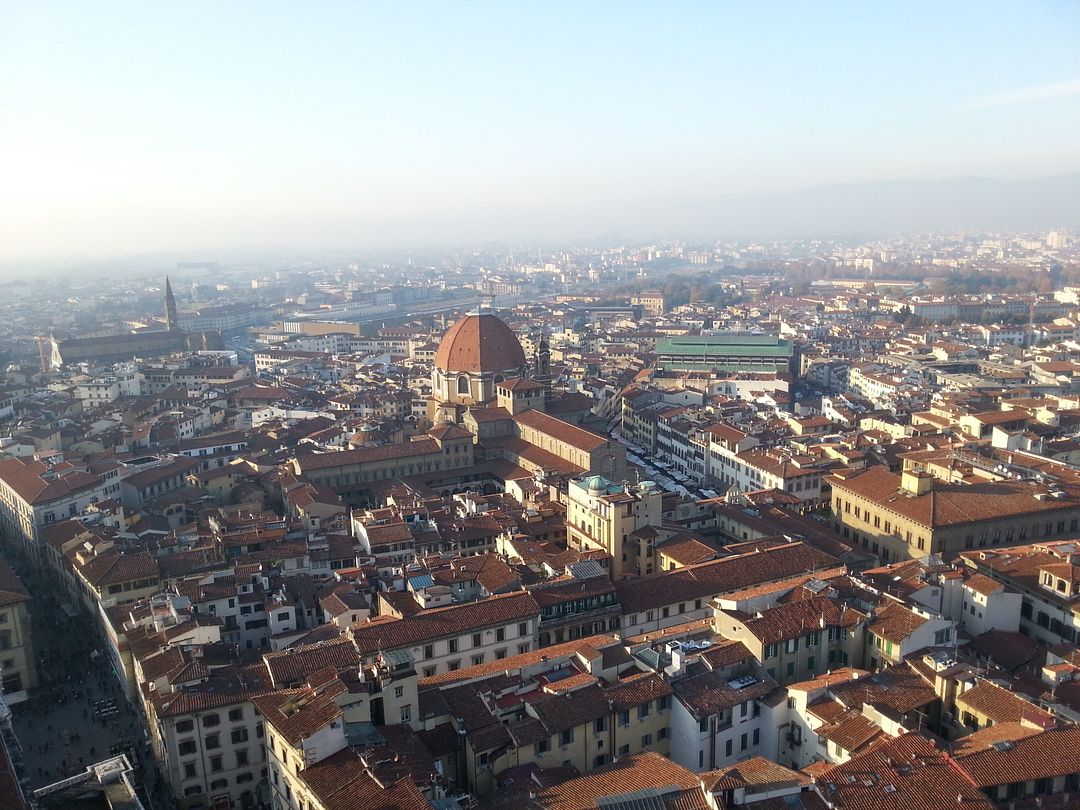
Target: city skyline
{"type": "Point", "coordinates": [146, 130]}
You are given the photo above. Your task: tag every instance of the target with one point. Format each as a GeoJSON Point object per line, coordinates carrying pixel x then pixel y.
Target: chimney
{"type": "Point", "coordinates": [916, 482]}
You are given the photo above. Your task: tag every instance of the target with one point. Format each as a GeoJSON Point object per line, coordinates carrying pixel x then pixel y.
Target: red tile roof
{"type": "Point", "coordinates": [954, 504]}
{"type": "Point", "coordinates": [343, 782]}
{"type": "Point", "coordinates": [1050, 754]}
{"type": "Point", "coordinates": [903, 773]}
{"type": "Point", "coordinates": [479, 343]}
{"type": "Point", "coordinates": [628, 775]}
{"type": "Point", "coordinates": [726, 575]}
{"type": "Point", "coordinates": [577, 437]}
{"type": "Point", "coordinates": [504, 609]}
{"type": "Point", "coordinates": [12, 590]}
{"type": "Point", "coordinates": [24, 476]}
{"type": "Point", "coordinates": [367, 455]}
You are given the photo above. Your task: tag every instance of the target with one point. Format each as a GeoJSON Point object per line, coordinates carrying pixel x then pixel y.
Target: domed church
{"type": "Point", "coordinates": [475, 355]}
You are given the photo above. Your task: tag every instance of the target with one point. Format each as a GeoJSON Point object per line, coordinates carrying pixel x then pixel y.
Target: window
{"type": "Point", "coordinates": [770, 651]}
{"type": "Point", "coordinates": [757, 736]}
{"type": "Point", "coordinates": [624, 718]}
{"type": "Point", "coordinates": [211, 741]}
{"type": "Point", "coordinates": [646, 740]}
{"type": "Point", "coordinates": [186, 747]}
{"type": "Point", "coordinates": [463, 384]}
{"type": "Point", "coordinates": [727, 748]}
{"type": "Point", "coordinates": [477, 660]}
{"type": "Point", "coordinates": [542, 747]}
{"type": "Point", "coordinates": [643, 710]}
{"type": "Point", "coordinates": [215, 764]}
{"type": "Point", "coordinates": [476, 640]}
{"type": "Point", "coordinates": [239, 735]}
{"type": "Point", "coordinates": [241, 758]}
{"type": "Point", "coordinates": [406, 714]}
{"type": "Point", "coordinates": [566, 737]}
{"type": "Point", "coordinates": [184, 725]}
{"type": "Point", "coordinates": [429, 652]}
{"type": "Point", "coordinates": [500, 634]}
{"type": "Point", "coordinates": [451, 645]}
{"type": "Point", "coordinates": [190, 771]}
{"type": "Point", "coordinates": [210, 720]}
{"type": "Point", "coordinates": [742, 743]}
{"type": "Point", "coordinates": [236, 715]}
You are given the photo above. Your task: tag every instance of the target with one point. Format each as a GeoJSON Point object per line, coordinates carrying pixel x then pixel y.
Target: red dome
{"type": "Point", "coordinates": [479, 343]}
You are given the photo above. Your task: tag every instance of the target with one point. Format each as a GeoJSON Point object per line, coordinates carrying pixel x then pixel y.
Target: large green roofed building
{"type": "Point", "coordinates": [731, 352]}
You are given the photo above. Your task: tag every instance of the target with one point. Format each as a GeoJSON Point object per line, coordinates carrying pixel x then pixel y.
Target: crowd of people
{"type": "Point", "coordinates": [63, 726]}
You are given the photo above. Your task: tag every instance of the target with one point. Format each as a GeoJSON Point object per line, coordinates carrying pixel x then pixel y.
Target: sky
{"type": "Point", "coordinates": [165, 126]}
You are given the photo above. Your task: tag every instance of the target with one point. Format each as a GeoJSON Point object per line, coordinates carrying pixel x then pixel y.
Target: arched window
{"type": "Point", "coordinates": [463, 384]}
{"type": "Point", "coordinates": [499, 378]}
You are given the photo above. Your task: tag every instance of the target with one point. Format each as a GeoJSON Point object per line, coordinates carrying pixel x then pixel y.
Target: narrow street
{"type": "Point", "coordinates": [78, 714]}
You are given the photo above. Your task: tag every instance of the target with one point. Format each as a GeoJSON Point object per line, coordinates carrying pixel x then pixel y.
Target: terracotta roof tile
{"type": "Point", "coordinates": [999, 704]}
{"type": "Point", "coordinates": [722, 576]}
{"type": "Point", "coordinates": [895, 622]}
{"type": "Point", "coordinates": [479, 343]}
{"type": "Point", "coordinates": [630, 774]}
{"type": "Point", "coordinates": [577, 437]}
{"type": "Point", "coordinates": [440, 622]}
{"type": "Point", "coordinates": [903, 773]}
{"type": "Point", "coordinates": [1046, 755]}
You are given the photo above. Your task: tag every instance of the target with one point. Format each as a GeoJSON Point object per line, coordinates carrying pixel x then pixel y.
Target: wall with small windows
{"type": "Point", "coordinates": [476, 646]}
{"type": "Point", "coordinates": [212, 756]}
{"type": "Point", "coordinates": [18, 671]}
{"type": "Point", "coordinates": [703, 741]}
{"type": "Point", "coordinates": [590, 744]}
{"type": "Point", "coordinates": [998, 610]}
{"type": "Point", "coordinates": [892, 536]}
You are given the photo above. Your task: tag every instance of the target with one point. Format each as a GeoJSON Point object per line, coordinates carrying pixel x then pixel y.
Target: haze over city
{"type": "Point", "coordinates": [562, 406]}
{"type": "Point", "coordinates": [131, 128]}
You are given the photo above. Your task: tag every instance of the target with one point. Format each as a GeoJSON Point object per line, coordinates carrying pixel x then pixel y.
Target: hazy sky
{"type": "Point", "coordinates": [128, 127]}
